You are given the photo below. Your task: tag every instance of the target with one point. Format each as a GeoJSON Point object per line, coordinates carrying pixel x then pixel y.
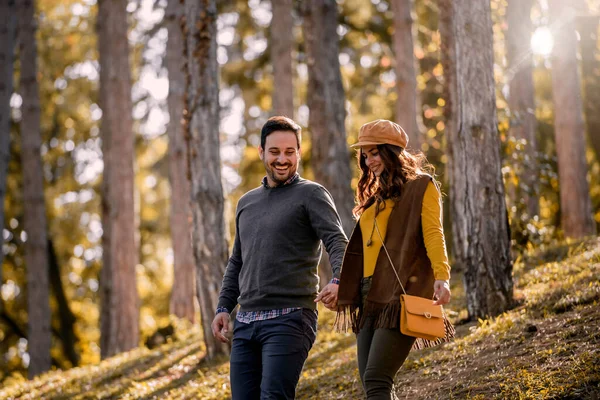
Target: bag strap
{"type": "Point", "coordinates": [390, 258]}
{"type": "Point", "coordinates": [388, 255]}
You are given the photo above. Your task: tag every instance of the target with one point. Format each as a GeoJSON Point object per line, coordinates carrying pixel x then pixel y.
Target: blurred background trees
{"type": "Point", "coordinates": [201, 130]}
{"type": "Point", "coordinates": [8, 26]}
{"type": "Point", "coordinates": [521, 99]}
{"type": "Point", "coordinates": [326, 102]}
{"type": "Point", "coordinates": [34, 218]}
{"type": "Point", "coordinates": [119, 318]}
{"type": "Point", "coordinates": [281, 42]}
{"type": "Point", "coordinates": [406, 76]}
{"type": "Point", "coordinates": [184, 282]}
{"type": "Point", "coordinates": [240, 56]}
{"type": "Point", "coordinates": [576, 207]}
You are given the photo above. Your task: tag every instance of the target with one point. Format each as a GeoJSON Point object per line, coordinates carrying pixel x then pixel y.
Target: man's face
{"type": "Point", "coordinates": [280, 156]}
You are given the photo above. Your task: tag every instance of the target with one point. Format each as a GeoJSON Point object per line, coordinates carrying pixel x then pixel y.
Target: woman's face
{"type": "Point", "coordinates": [372, 159]}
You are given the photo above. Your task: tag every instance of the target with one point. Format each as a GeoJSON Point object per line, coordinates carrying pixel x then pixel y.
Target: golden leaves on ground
{"type": "Point", "coordinates": [547, 347]}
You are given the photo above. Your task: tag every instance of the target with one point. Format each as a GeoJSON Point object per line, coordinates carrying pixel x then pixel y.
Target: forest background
{"type": "Point", "coordinates": [73, 156]}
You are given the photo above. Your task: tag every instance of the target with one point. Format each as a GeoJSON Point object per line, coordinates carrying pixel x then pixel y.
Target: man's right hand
{"type": "Point", "coordinates": [220, 327]}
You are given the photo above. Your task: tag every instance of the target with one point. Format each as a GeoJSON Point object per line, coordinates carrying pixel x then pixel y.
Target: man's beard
{"type": "Point", "coordinates": [277, 178]}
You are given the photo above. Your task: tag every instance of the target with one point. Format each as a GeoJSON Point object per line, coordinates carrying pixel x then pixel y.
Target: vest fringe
{"type": "Point", "coordinates": [386, 316]}
{"type": "Point", "coordinates": [354, 317]}
{"type": "Point", "coordinates": [346, 317]}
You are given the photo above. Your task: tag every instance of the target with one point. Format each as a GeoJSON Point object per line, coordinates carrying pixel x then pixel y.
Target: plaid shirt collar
{"type": "Point", "coordinates": [292, 179]}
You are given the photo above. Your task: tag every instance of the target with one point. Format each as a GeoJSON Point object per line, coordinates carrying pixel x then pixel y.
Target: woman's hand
{"type": "Point", "coordinates": [442, 292]}
{"type": "Point", "coordinates": [329, 296]}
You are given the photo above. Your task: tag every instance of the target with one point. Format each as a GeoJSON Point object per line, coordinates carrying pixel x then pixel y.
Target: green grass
{"type": "Point", "coordinates": [546, 348]}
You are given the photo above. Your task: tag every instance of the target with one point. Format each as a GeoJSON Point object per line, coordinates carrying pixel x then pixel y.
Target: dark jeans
{"type": "Point", "coordinates": [381, 353]}
{"type": "Point", "coordinates": [267, 356]}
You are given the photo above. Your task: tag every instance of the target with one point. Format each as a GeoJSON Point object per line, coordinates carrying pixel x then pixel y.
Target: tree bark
{"type": "Point", "coordinates": [590, 70]}
{"type": "Point", "coordinates": [326, 102]}
{"type": "Point", "coordinates": [480, 223]}
{"type": "Point", "coordinates": [184, 288]}
{"type": "Point", "coordinates": [521, 101]}
{"type": "Point", "coordinates": [406, 78]}
{"type": "Point", "coordinates": [8, 25]}
{"type": "Point", "coordinates": [282, 41]}
{"type": "Point", "coordinates": [575, 202]}
{"type": "Point", "coordinates": [119, 319]}
{"type": "Point", "coordinates": [448, 60]}
{"type": "Point", "coordinates": [449, 92]}
{"type": "Point", "coordinates": [201, 129]}
{"type": "Point", "coordinates": [35, 224]}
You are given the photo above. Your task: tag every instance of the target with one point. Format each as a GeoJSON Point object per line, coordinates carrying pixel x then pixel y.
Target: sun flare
{"type": "Point", "coordinates": [542, 41]}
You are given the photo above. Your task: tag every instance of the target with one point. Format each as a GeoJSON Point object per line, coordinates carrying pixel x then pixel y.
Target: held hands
{"type": "Point", "coordinates": [329, 296]}
{"type": "Point", "coordinates": [220, 327]}
{"type": "Point", "coordinates": [442, 292]}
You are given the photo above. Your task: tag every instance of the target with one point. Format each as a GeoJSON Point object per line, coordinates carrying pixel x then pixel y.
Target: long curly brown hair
{"type": "Point", "coordinates": [400, 167]}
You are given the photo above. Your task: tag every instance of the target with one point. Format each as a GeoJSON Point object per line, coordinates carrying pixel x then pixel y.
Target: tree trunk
{"type": "Point", "coordinates": [282, 41]}
{"type": "Point", "coordinates": [449, 92]}
{"type": "Point", "coordinates": [590, 70]}
{"type": "Point", "coordinates": [65, 315]}
{"type": "Point", "coordinates": [184, 288]}
{"type": "Point", "coordinates": [480, 223]}
{"type": "Point", "coordinates": [448, 60]}
{"type": "Point", "coordinates": [201, 129]}
{"type": "Point", "coordinates": [119, 319]}
{"type": "Point", "coordinates": [8, 25]}
{"type": "Point", "coordinates": [36, 250]}
{"type": "Point", "coordinates": [575, 202]}
{"type": "Point", "coordinates": [406, 78]}
{"type": "Point", "coordinates": [326, 102]}
{"type": "Point", "coordinates": [521, 96]}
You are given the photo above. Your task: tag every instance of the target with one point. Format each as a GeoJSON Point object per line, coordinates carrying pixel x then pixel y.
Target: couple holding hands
{"type": "Point", "coordinates": [396, 247]}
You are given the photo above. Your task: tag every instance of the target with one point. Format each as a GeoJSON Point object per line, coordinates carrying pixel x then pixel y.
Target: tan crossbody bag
{"type": "Point", "coordinates": [419, 317]}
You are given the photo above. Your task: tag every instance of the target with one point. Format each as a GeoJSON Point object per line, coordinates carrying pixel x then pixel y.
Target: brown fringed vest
{"type": "Point", "coordinates": [404, 241]}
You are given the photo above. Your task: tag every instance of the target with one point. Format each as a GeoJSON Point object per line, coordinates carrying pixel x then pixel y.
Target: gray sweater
{"type": "Point", "coordinates": [278, 246]}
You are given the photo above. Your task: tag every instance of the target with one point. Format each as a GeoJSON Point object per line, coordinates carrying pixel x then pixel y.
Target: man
{"type": "Point", "coordinates": [272, 272]}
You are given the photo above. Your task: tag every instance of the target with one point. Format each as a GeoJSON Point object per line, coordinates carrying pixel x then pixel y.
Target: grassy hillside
{"type": "Point", "coordinates": [548, 347]}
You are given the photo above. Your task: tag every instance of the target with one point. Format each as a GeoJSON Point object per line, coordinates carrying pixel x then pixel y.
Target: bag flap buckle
{"type": "Point", "coordinates": [421, 306]}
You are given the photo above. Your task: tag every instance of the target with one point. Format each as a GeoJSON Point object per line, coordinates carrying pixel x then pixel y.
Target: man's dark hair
{"type": "Point", "coordinates": [280, 123]}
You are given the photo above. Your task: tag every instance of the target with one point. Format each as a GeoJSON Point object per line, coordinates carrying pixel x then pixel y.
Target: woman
{"type": "Point", "coordinates": [399, 205]}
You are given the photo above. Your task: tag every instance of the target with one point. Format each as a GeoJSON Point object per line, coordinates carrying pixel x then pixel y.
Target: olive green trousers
{"type": "Point", "coordinates": [381, 353]}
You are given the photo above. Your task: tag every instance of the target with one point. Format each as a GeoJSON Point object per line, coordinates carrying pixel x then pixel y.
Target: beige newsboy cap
{"type": "Point", "coordinates": [381, 131]}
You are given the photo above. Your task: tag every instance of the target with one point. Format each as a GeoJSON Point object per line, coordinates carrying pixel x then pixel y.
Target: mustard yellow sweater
{"type": "Point", "coordinates": [433, 233]}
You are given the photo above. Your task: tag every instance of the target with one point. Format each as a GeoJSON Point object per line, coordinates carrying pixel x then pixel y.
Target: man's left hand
{"type": "Point", "coordinates": [329, 296]}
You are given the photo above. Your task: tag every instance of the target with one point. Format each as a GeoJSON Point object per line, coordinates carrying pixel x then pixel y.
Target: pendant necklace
{"type": "Point", "coordinates": [370, 241]}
